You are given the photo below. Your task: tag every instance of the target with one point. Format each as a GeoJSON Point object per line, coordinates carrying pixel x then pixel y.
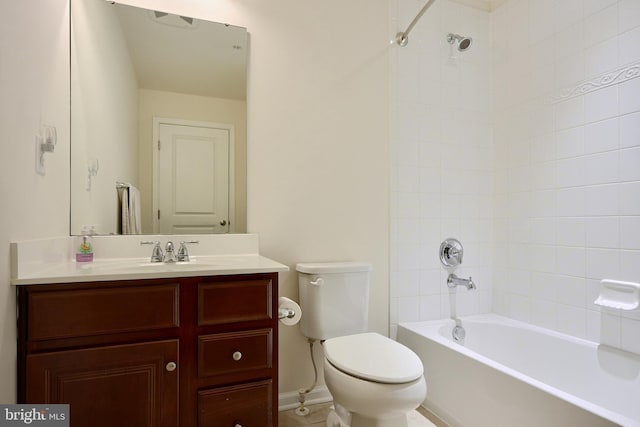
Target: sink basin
{"type": "Point", "coordinates": [143, 268]}
{"type": "Point", "coordinates": [133, 265]}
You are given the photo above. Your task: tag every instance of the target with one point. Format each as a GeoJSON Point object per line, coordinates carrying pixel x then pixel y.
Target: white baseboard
{"type": "Point", "coordinates": [289, 399]}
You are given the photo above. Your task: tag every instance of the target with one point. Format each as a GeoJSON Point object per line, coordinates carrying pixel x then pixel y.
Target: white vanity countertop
{"type": "Point", "coordinates": [141, 268]}
{"type": "Point", "coordinates": [49, 261]}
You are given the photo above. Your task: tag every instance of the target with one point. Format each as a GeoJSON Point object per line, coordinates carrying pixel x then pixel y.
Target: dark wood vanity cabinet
{"type": "Point", "coordinates": [195, 351]}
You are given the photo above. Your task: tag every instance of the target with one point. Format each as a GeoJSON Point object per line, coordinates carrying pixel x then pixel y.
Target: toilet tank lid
{"type": "Point", "coordinates": [332, 267]}
{"type": "Point", "coordinates": [374, 357]}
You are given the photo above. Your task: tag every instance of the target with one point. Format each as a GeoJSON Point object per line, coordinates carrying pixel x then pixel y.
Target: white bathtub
{"type": "Point", "coordinates": [509, 373]}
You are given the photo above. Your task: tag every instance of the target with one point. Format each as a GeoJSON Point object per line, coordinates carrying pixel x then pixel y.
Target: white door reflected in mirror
{"type": "Point", "coordinates": [193, 177]}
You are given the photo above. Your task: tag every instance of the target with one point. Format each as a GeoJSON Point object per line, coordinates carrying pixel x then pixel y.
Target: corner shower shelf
{"type": "Point", "coordinates": [618, 295]}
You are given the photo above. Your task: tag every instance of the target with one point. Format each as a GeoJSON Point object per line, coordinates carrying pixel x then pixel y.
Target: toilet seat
{"type": "Point", "coordinates": [373, 357]}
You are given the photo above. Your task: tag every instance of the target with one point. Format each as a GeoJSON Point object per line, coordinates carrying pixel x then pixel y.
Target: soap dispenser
{"type": "Point", "coordinates": [84, 247]}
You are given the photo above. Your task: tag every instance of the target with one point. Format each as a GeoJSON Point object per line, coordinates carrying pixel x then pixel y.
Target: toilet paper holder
{"type": "Point", "coordinates": [289, 312]}
{"type": "Point", "coordinates": [286, 313]}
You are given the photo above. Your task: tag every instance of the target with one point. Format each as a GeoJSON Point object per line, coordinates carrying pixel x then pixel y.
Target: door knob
{"type": "Point", "coordinates": [171, 366]}
{"type": "Point", "coordinates": [223, 222]}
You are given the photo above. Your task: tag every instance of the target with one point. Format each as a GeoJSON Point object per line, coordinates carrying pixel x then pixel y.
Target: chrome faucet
{"type": "Point", "coordinates": [183, 253]}
{"type": "Point", "coordinates": [169, 254]}
{"type": "Point", "coordinates": [156, 255]}
{"type": "Point", "coordinates": [453, 281]}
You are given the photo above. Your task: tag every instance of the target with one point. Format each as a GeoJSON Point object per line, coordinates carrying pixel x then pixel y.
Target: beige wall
{"type": "Point", "coordinates": [153, 103]}
{"type": "Point", "coordinates": [318, 184]}
{"type": "Point", "coordinates": [34, 83]}
{"type": "Point", "coordinates": [318, 179]}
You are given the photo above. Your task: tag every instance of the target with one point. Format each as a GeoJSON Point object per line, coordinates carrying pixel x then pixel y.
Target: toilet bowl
{"type": "Point", "coordinates": [374, 381]}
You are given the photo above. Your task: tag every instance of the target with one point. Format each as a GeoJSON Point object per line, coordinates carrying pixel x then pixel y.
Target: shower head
{"type": "Point", "coordinates": [464, 43]}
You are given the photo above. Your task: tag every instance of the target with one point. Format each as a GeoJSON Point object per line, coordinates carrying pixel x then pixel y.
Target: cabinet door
{"type": "Point", "coordinates": [125, 385]}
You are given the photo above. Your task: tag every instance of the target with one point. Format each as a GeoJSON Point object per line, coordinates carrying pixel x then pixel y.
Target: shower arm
{"type": "Point", "coordinates": [402, 38]}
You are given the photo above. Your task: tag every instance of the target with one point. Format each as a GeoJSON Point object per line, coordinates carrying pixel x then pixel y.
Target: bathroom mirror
{"type": "Point", "coordinates": [158, 102]}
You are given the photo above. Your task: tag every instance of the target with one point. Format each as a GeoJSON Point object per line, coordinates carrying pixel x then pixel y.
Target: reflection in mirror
{"type": "Point", "coordinates": [158, 122]}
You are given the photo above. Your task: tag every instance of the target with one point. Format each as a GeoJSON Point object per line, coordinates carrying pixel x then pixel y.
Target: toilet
{"type": "Point", "coordinates": [374, 381]}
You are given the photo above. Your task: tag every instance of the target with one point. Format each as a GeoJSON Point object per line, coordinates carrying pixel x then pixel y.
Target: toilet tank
{"type": "Point", "coordinates": [334, 298]}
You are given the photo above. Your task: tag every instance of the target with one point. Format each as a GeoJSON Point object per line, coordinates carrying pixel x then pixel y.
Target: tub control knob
{"type": "Point", "coordinates": [171, 366]}
{"type": "Point", "coordinates": [237, 356]}
{"type": "Point", "coordinates": [451, 253]}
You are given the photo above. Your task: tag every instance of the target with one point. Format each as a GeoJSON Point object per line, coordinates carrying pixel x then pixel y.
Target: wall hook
{"type": "Point", "coordinates": [92, 170]}
{"type": "Point", "coordinates": [46, 142]}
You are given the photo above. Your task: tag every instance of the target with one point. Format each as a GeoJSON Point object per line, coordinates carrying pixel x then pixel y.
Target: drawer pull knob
{"type": "Point", "coordinates": [237, 356]}
{"type": "Point", "coordinates": [171, 366]}
{"type": "Point", "coordinates": [238, 425]}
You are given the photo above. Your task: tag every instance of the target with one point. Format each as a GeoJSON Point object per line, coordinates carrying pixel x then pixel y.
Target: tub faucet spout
{"type": "Point", "coordinates": [453, 281]}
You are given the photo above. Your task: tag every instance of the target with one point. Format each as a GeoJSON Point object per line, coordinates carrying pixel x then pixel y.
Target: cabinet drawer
{"type": "Point", "coordinates": [234, 352]}
{"type": "Point", "coordinates": [83, 312]}
{"type": "Point", "coordinates": [229, 302]}
{"type": "Point", "coordinates": [243, 404]}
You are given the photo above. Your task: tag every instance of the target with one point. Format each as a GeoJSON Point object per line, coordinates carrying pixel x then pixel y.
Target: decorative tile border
{"type": "Point", "coordinates": [620, 75]}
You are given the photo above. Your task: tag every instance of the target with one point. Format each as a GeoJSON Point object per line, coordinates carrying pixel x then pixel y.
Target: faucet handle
{"type": "Point", "coordinates": [183, 253]}
{"type": "Point", "coordinates": [156, 254]}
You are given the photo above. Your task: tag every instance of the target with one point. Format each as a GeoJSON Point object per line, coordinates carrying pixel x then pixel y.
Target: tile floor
{"type": "Point", "coordinates": [318, 415]}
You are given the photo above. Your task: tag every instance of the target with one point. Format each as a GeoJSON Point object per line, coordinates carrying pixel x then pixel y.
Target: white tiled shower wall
{"type": "Point", "coordinates": [548, 202]}
{"type": "Point", "coordinates": [441, 183]}
{"type": "Point", "coordinates": [567, 160]}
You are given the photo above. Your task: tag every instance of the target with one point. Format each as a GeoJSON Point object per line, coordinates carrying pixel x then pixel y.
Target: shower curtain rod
{"type": "Point", "coordinates": [402, 38]}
